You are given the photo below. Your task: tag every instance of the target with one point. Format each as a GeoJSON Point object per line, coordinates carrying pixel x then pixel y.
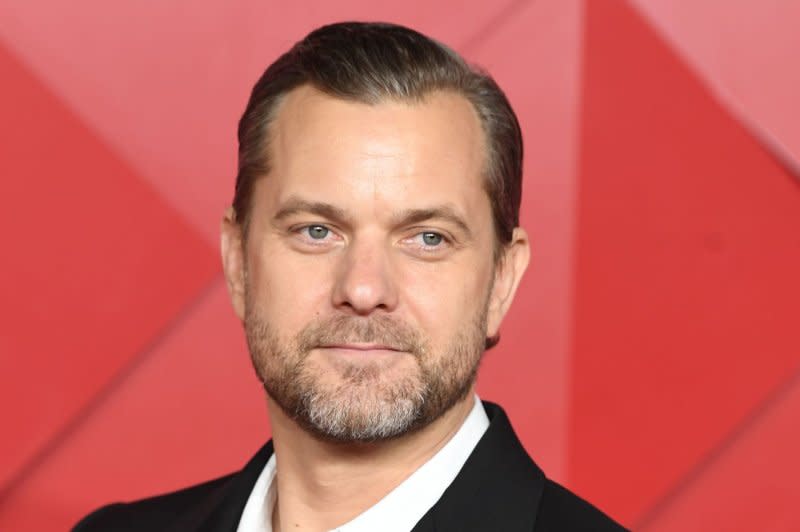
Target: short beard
{"type": "Point", "coordinates": [362, 407]}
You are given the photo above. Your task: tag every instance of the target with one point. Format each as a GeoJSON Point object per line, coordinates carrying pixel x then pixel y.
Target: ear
{"type": "Point", "coordinates": [231, 244]}
{"type": "Point", "coordinates": [507, 275]}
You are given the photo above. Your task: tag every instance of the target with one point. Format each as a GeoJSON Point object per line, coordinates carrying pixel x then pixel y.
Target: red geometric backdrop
{"type": "Point", "coordinates": [651, 361]}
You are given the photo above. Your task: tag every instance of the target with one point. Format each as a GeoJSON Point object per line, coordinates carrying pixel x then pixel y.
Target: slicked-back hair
{"type": "Point", "coordinates": [372, 63]}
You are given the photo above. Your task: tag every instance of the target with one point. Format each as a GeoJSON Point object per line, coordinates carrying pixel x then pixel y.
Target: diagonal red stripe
{"type": "Point", "coordinates": [742, 51]}
{"type": "Point", "coordinates": [95, 265]}
{"type": "Point", "coordinates": [749, 482]}
{"type": "Point", "coordinates": [191, 410]}
{"type": "Point", "coordinates": [687, 269]}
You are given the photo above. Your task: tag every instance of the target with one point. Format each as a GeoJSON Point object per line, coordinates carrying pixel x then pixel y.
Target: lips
{"type": "Point", "coordinates": [361, 347]}
{"type": "Point", "coordinates": [362, 352]}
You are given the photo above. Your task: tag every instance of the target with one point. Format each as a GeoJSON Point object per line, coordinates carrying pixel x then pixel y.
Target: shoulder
{"type": "Point", "coordinates": [500, 487]}
{"type": "Point", "coordinates": [152, 513]}
{"type": "Point", "coordinates": [216, 504]}
{"type": "Point", "coordinates": [560, 509]}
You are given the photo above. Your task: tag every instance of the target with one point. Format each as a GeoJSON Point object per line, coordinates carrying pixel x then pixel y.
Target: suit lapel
{"type": "Point", "coordinates": [499, 487]}
{"type": "Point", "coordinates": [222, 509]}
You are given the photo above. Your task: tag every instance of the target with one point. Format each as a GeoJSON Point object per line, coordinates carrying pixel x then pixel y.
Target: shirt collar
{"type": "Point", "coordinates": [402, 507]}
{"type": "Point", "coordinates": [257, 514]}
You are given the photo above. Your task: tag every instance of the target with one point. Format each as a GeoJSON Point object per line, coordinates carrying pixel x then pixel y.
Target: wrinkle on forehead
{"type": "Point", "coordinates": [376, 156]}
{"type": "Point", "coordinates": [311, 120]}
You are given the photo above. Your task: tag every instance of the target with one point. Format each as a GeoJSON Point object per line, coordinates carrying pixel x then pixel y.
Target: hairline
{"type": "Point", "coordinates": [373, 99]}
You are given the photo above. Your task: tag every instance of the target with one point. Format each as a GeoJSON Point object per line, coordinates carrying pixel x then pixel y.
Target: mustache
{"type": "Point", "coordinates": [380, 329]}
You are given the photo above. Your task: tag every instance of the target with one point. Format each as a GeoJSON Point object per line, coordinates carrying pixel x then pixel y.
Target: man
{"type": "Point", "coordinates": [371, 252]}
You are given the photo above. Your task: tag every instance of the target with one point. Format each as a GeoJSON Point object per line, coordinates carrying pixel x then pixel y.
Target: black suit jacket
{"type": "Point", "coordinates": [499, 489]}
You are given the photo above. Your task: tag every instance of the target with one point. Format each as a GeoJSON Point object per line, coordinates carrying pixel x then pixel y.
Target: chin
{"type": "Point", "coordinates": [366, 404]}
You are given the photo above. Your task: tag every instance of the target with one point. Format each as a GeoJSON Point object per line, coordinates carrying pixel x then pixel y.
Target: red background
{"type": "Point", "coordinates": [651, 362]}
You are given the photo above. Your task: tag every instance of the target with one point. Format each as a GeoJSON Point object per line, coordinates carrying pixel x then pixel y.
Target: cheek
{"type": "Point", "coordinates": [446, 299]}
{"type": "Point", "coordinates": [287, 292]}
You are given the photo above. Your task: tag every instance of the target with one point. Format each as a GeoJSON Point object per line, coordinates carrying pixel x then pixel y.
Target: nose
{"type": "Point", "coordinates": [364, 281]}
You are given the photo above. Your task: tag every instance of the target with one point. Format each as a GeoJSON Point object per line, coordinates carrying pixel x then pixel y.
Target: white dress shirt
{"type": "Point", "coordinates": [402, 507]}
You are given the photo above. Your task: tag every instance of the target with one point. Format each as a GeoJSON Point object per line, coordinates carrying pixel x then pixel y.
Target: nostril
{"type": "Point", "coordinates": [364, 282]}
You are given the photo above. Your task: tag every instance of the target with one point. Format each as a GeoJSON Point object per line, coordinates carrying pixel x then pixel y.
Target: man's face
{"type": "Point", "coordinates": [367, 283]}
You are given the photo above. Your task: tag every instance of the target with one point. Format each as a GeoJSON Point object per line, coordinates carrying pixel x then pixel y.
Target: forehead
{"type": "Point", "coordinates": [322, 143]}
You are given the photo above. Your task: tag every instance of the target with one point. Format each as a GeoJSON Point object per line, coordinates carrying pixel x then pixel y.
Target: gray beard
{"type": "Point", "coordinates": [362, 407]}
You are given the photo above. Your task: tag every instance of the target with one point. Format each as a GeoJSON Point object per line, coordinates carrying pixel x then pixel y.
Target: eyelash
{"type": "Point", "coordinates": [426, 248]}
{"type": "Point", "coordinates": [302, 229]}
{"type": "Point", "coordinates": [445, 242]}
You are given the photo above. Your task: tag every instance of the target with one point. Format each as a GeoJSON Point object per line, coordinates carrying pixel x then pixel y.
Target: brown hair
{"type": "Point", "coordinates": [372, 62]}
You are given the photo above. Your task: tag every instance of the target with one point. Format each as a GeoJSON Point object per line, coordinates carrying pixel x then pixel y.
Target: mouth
{"type": "Point", "coordinates": [358, 346]}
{"type": "Point", "coordinates": [361, 350]}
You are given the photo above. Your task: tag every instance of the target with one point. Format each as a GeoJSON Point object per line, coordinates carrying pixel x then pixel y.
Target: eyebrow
{"type": "Point", "coordinates": [294, 205]}
{"type": "Point", "coordinates": [441, 212]}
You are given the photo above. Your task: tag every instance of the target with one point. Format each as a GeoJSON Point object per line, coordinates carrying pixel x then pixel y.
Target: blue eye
{"type": "Point", "coordinates": [432, 239]}
{"type": "Point", "coordinates": [317, 232]}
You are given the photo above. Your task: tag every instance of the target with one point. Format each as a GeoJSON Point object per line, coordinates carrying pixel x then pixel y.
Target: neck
{"type": "Point", "coordinates": [322, 485]}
